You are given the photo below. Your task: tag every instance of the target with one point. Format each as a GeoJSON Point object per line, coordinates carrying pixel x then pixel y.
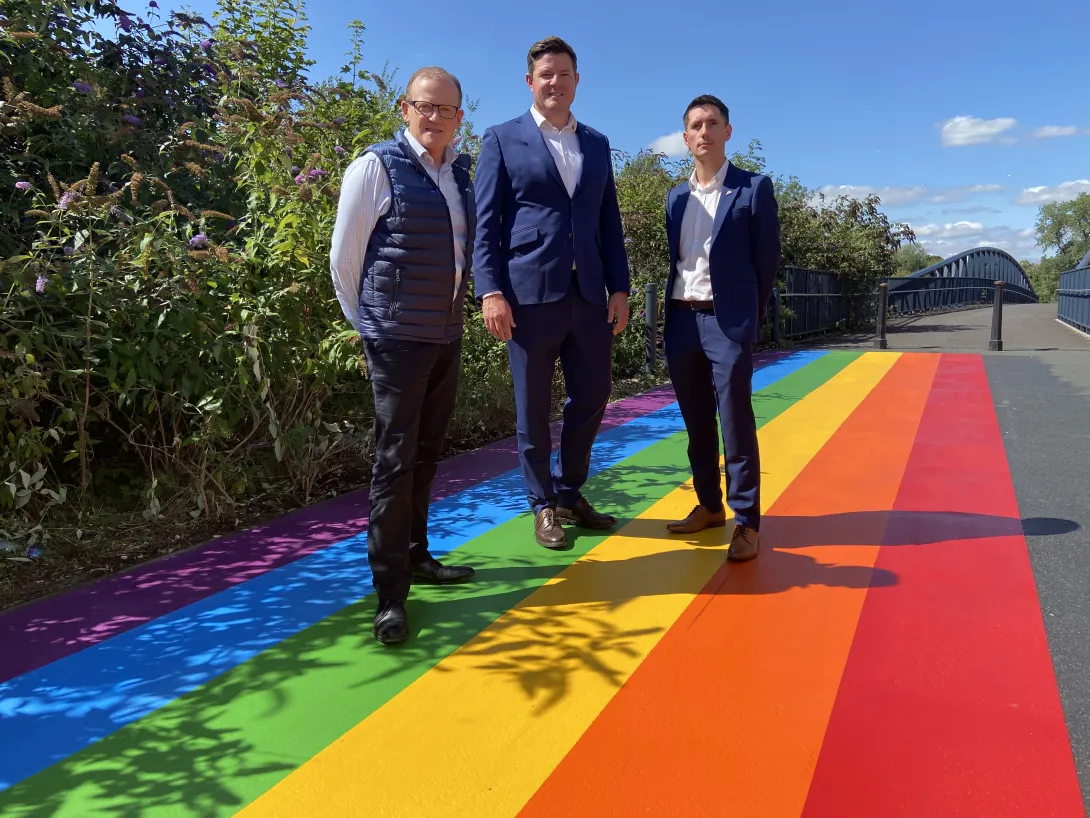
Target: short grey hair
{"type": "Point", "coordinates": [433, 72]}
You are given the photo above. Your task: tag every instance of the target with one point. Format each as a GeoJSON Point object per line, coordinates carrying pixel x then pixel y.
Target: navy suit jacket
{"type": "Point", "coordinates": [745, 251]}
{"type": "Point", "coordinates": [530, 233]}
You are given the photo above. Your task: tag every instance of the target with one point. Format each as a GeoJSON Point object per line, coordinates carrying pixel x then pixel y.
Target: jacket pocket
{"type": "Point", "coordinates": [394, 295]}
{"type": "Point", "coordinates": [520, 238]}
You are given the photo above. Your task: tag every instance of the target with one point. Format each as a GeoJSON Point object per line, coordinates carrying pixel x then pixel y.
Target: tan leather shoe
{"type": "Point", "coordinates": [699, 519]}
{"type": "Point", "coordinates": [744, 544]}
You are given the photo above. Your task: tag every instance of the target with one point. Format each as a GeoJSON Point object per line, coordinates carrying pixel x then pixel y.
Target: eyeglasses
{"type": "Point", "coordinates": [428, 108]}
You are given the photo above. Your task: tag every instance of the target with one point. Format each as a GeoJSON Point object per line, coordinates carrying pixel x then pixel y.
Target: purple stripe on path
{"type": "Point", "coordinates": [48, 629]}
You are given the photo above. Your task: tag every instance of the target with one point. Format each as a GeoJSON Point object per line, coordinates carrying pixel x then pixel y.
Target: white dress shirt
{"type": "Point", "coordinates": [563, 144]}
{"type": "Point", "coordinates": [693, 281]}
{"type": "Point", "coordinates": [365, 198]}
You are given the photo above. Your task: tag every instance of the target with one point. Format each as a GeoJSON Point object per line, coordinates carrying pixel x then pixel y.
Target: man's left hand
{"type": "Point", "coordinates": [618, 311]}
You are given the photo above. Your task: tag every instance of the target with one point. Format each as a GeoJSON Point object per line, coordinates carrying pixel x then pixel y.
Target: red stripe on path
{"type": "Point", "coordinates": [948, 705]}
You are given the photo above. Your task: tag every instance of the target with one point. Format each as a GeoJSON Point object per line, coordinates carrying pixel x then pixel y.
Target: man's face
{"type": "Point", "coordinates": [433, 130]}
{"type": "Point", "coordinates": [706, 132]}
{"type": "Point", "coordinates": [553, 83]}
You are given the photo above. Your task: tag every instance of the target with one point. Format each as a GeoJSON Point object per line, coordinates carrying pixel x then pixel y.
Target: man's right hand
{"type": "Point", "coordinates": [498, 319]}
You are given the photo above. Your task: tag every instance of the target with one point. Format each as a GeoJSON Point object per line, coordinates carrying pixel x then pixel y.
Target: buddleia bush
{"type": "Point", "coordinates": [165, 288]}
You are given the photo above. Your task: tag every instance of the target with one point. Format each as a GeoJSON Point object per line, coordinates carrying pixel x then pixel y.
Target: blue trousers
{"type": "Point", "coordinates": [711, 373]}
{"type": "Point", "coordinates": [578, 334]}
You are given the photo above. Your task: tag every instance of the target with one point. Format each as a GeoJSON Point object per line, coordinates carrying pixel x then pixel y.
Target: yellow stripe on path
{"type": "Point", "coordinates": [480, 732]}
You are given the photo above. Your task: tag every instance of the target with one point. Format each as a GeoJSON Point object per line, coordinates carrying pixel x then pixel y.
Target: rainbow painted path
{"type": "Point", "coordinates": [884, 656]}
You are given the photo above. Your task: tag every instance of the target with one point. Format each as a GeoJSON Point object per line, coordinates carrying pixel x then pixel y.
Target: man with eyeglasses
{"type": "Point", "coordinates": [551, 270]}
{"type": "Point", "coordinates": [400, 260]}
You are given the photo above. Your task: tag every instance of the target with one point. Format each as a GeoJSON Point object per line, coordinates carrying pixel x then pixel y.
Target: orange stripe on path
{"type": "Point", "coordinates": [948, 705]}
{"type": "Point", "coordinates": [726, 716]}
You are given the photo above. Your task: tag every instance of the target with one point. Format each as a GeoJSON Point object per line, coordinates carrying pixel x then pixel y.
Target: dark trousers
{"type": "Point", "coordinates": [415, 386]}
{"type": "Point", "coordinates": [711, 373]}
{"type": "Point", "coordinates": [578, 334]}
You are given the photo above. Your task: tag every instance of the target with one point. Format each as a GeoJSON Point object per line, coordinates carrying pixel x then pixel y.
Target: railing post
{"type": "Point", "coordinates": [776, 316]}
{"type": "Point", "coordinates": [651, 325]}
{"type": "Point", "coordinates": [883, 302]}
{"type": "Point", "coordinates": [996, 342]}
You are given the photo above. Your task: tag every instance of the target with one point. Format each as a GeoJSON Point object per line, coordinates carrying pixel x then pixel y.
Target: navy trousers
{"type": "Point", "coordinates": [711, 373]}
{"type": "Point", "coordinates": [415, 387]}
{"type": "Point", "coordinates": [578, 334]}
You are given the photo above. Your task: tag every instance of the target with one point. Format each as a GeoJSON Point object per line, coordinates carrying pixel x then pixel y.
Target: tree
{"type": "Point", "coordinates": [1063, 227]}
{"type": "Point", "coordinates": [911, 258]}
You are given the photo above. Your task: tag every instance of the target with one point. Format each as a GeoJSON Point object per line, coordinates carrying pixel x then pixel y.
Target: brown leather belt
{"type": "Point", "coordinates": [695, 306]}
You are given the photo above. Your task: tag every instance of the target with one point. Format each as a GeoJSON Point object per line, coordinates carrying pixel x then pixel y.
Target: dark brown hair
{"type": "Point", "coordinates": [550, 45]}
{"type": "Point", "coordinates": [707, 99]}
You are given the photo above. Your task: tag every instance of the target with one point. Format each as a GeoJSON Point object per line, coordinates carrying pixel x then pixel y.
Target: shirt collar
{"type": "Point", "coordinates": [716, 181]}
{"type": "Point", "coordinates": [449, 155]}
{"type": "Point", "coordinates": [542, 121]}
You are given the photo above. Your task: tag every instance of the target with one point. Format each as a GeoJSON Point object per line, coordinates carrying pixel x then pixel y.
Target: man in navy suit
{"type": "Point", "coordinates": [551, 271]}
{"type": "Point", "coordinates": [724, 234]}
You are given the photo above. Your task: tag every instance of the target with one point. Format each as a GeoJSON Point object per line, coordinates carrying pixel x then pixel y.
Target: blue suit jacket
{"type": "Point", "coordinates": [530, 233]}
{"type": "Point", "coordinates": [745, 252]}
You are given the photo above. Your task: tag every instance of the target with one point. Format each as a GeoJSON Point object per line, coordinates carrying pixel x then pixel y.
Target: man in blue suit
{"type": "Point", "coordinates": [551, 271]}
{"type": "Point", "coordinates": [724, 234]}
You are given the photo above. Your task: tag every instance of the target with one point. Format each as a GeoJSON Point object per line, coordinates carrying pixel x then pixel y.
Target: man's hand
{"type": "Point", "coordinates": [498, 319]}
{"type": "Point", "coordinates": [618, 310]}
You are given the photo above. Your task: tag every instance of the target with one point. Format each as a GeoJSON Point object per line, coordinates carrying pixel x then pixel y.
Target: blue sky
{"type": "Point", "coordinates": [964, 115]}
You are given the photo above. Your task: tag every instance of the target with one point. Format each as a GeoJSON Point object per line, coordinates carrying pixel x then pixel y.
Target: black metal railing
{"type": "Point", "coordinates": [916, 296]}
{"type": "Point", "coordinates": [812, 301]}
{"type": "Point", "coordinates": [1073, 298]}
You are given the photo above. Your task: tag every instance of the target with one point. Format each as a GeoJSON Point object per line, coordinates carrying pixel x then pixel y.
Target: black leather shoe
{"type": "Point", "coordinates": [435, 572]}
{"type": "Point", "coordinates": [584, 516]}
{"type": "Point", "coordinates": [547, 530]}
{"type": "Point", "coordinates": [391, 622]}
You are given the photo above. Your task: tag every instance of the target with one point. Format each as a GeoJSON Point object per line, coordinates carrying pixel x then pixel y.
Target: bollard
{"type": "Point", "coordinates": [996, 342]}
{"type": "Point", "coordinates": [651, 325]}
{"type": "Point", "coordinates": [883, 302]}
{"type": "Point", "coordinates": [776, 316]}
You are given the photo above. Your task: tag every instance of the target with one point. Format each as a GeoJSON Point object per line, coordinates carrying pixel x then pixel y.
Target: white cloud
{"type": "Point", "coordinates": [1055, 130]}
{"type": "Point", "coordinates": [949, 239]}
{"type": "Point", "coordinates": [1042, 194]}
{"type": "Point", "coordinates": [969, 130]}
{"type": "Point", "coordinates": [891, 196]}
{"type": "Point", "coordinates": [908, 195]}
{"type": "Point", "coordinates": [959, 194]}
{"type": "Point", "coordinates": [673, 144]}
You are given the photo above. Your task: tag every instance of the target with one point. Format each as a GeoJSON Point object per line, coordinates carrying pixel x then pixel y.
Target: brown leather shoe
{"type": "Point", "coordinates": [547, 530]}
{"type": "Point", "coordinates": [699, 519]}
{"type": "Point", "coordinates": [584, 516]}
{"type": "Point", "coordinates": [744, 544]}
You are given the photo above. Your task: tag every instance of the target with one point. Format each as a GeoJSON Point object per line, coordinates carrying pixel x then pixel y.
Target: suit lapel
{"type": "Point", "coordinates": [731, 184]}
{"type": "Point", "coordinates": [585, 147]}
{"type": "Point", "coordinates": [536, 140]}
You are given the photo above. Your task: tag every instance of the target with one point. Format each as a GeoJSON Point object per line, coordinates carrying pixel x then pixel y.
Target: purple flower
{"type": "Point", "coordinates": [139, 93]}
{"type": "Point", "coordinates": [206, 44]}
{"type": "Point", "coordinates": [294, 170]}
{"type": "Point", "coordinates": [69, 250]}
{"type": "Point", "coordinates": [67, 199]}
{"type": "Point", "coordinates": [39, 285]}
{"type": "Point", "coordinates": [125, 23]}
{"type": "Point", "coordinates": [135, 121]}
{"type": "Point", "coordinates": [339, 120]}
{"type": "Point", "coordinates": [153, 4]}
{"type": "Point", "coordinates": [287, 151]}
{"type": "Point", "coordinates": [300, 179]}
{"type": "Point", "coordinates": [198, 241]}
{"type": "Point", "coordinates": [317, 173]}
{"type": "Point", "coordinates": [23, 185]}
{"type": "Point", "coordinates": [159, 61]}
{"type": "Point", "coordinates": [281, 84]}
{"type": "Point", "coordinates": [83, 87]}
{"type": "Point", "coordinates": [337, 149]}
